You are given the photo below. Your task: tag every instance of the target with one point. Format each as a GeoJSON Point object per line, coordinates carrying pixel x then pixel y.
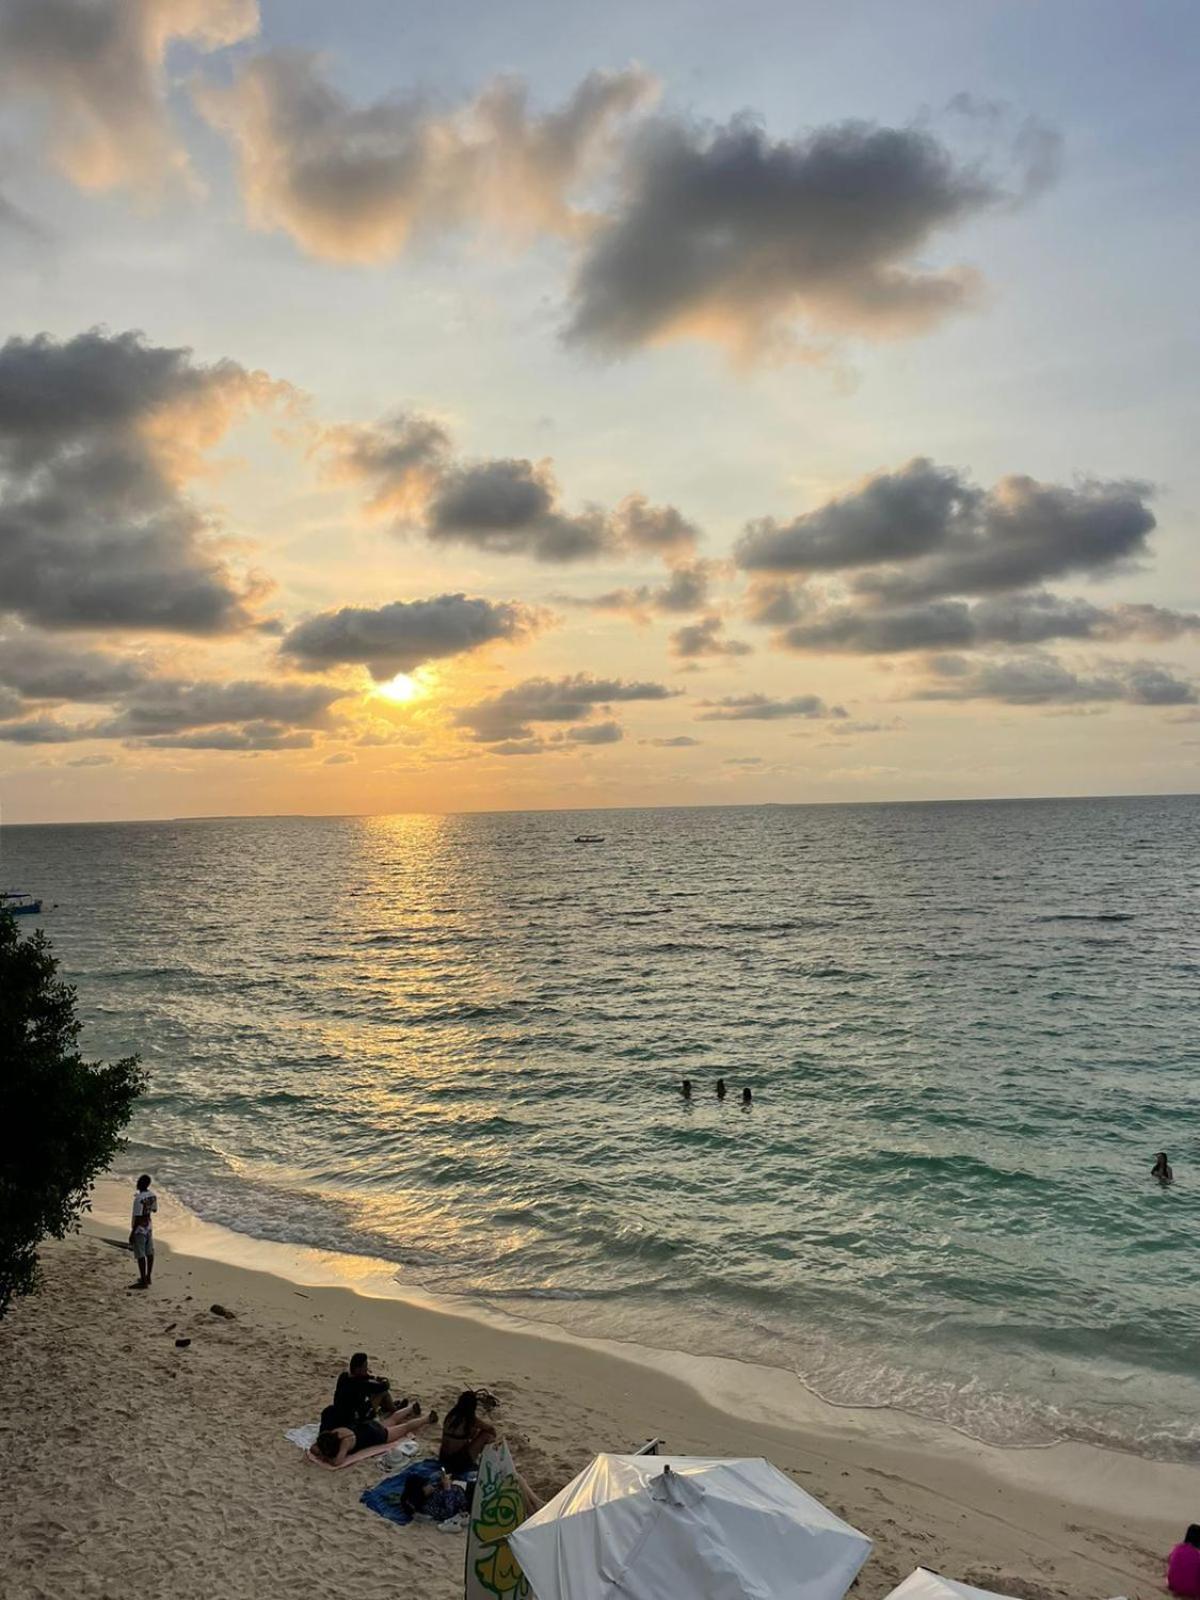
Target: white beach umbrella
{"type": "Point", "coordinates": [925, 1585]}
{"type": "Point", "coordinates": [665, 1527]}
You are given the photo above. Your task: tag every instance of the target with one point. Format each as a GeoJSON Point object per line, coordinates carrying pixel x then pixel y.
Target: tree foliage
{"type": "Point", "coordinates": [60, 1116]}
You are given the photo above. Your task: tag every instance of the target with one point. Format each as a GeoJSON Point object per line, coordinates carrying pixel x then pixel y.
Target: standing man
{"type": "Point", "coordinates": [141, 1237]}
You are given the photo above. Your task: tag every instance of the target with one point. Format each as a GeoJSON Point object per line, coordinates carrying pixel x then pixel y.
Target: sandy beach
{"type": "Point", "coordinates": [134, 1467]}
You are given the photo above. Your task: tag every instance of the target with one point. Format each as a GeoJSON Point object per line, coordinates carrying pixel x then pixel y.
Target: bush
{"type": "Point", "coordinates": [60, 1116]}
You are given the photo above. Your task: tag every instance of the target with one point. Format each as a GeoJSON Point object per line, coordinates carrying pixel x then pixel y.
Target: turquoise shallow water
{"type": "Point", "coordinates": [455, 1043]}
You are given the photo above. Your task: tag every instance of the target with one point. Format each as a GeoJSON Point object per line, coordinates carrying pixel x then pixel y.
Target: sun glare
{"type": "Point", "coordinates": [400, 688]}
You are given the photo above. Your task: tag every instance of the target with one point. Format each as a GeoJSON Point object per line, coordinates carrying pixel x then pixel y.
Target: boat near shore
{"type": "Point", "coordinates": [20, 903]}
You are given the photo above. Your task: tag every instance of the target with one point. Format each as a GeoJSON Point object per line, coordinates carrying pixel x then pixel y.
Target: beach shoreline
{"type": "Point", "coordinates": [206, 1424]}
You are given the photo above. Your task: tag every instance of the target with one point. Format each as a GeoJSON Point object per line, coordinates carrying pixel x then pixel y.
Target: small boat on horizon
{"type": "Point", "coordinates": [20, 903]}
{"type": "Point", "coordinates": [589, 838]}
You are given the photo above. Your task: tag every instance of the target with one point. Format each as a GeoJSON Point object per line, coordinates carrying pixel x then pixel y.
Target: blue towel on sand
{"type": "Point", "coordinates": [386, 1496]}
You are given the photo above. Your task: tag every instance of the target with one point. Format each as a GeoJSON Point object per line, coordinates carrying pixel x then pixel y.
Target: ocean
{"type": "Point", "coordinates": [456, 1043]}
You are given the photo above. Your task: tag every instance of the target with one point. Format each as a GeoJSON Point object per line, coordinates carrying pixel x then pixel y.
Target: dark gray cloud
{"type": "Point", "coordinates": [96, 66]}
{"type": "Point", "coordinates": [510, 715]}
{"type": "Point", "coordinates": [171, 706]}
{"type": "Point", "coordinates": [723, 233]}
{"type": "Point", "coordinates": [41, 730]}
{"type": "Point", "coordinates": [1027, 618]}
{"type": "Point", "coordinates": [358, 183]}
{"type": "Point", "coordinates": [400, 636]}
{"type": "Point", "coordinates": [248, 736]}
{"type": "Point", "coordinates": [706, 638]}
{"type": "Point", "coordinates": [925, 533]}
{"type": "Point", "coordinates": [595, 733]}
{"type": "Point", "coordinates": [686, 589]}
{"type": "Point", "coordinates": [893, 516]}
{"type": "Point", "coordinates": [510, 507]}
{"type": "Point", "coordinates": [761, 708]}
{"type": "Point", "coordinates": [41, 668]}
{"type": "Point", "coordinates": [1024, 533]}
{"type": "Point", "coordinates": [97, 435]}
{"type": "Point", "coordinates": [1041, 679]}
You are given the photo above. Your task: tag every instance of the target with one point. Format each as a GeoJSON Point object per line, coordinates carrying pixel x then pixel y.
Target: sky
{"type": "Point", "coordinates": [410, 408]}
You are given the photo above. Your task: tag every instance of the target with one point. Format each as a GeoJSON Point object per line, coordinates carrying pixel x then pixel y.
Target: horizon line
{"type": "Point", "coordinates": [513, 811]}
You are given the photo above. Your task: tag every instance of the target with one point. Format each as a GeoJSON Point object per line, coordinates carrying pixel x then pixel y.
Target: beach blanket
{"type": "Point", "coordinates": [386, 1497]}
{"type": "Point", "coordinates": [492, 1571]}
{"type": "Point", "coordinates": [406, 1447]}
{"type": "Point", "coordinates": [306, 1436]}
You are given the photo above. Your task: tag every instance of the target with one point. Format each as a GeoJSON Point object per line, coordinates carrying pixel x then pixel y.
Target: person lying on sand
{"type": "Point", "coordinates": [1183, 1565]}
{"type": "Point", "coordinates": [358, 1396]}
{"type": "Point", "coordinates": [463, 1434]}
{"type": "Point", "coordinates": [335, 1444]}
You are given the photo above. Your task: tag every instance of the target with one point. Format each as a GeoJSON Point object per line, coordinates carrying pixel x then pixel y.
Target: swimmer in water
{"type": "Point", "coordinates": [720, 1088]}
{"type": "Point", "coordinates": [1162, 1169]}
{"type": "Point", "coordinates": [685, 1088]}
{"type": "Point", "coordinates": [747, 1097]}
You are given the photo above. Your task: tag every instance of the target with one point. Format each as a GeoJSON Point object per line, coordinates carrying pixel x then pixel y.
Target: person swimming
{"type": "Point", "coordinates": [685, 1088]}
{"type": "Point", "coordinates": [720, 1088]}
{"type": "Point", "coordinates": [1162, 1169]}
{"type": "Point", "coordinates": [747, 1097]}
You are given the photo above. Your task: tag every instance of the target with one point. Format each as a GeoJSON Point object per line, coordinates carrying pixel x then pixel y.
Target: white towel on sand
{"type": "Point", "coordinates": [306, 1436]}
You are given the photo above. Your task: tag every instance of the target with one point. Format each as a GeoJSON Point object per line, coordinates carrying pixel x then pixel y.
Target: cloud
{"type": "Point", "coordinates": [722, 233]}
{"type": "Point", "coordinates": [1019, 619]}
{"type": "Point", "coordinates": [97, 69]}
{"type": "Point", "coordinates": [892, 516]}
{"type": "Point", "coordinates": [400, 636]}
{"type": "Point", "coordinates": [686, 589]}
{"type": "Point", "coordinates": [399, 460]}
{"type": "Point", "coordinates": [250, 736]}
{"type": "Point", "coordinates": [595, 733]}
{"type": "Point", "coordinates": [760, 708]}
{"type": "Point", "coordinates": [98, 435]}
{"type": "Point", "coordinates": [680, 741]}
{"type": "Point", "coordinates": [169, 706]}
{"type": "Point", "coordinates": [41, 668]}
{"type": "Point", "coordinates": [924, 532]}
{"type": "Point", "coordinates": [509, 716]}
{"type": "Point", "coordinates": [97, 760]}
{"type": "Point", "coordinates": [660, 530]}
{"type": "Point", "coordinates": [41, 730]}
{"type": "Point", "coordinates": [1041, 679]}
{"type": "Point", "coordinates": [357, 184]}
{"type": "Point", "coordinates": [510, 507]}
{"type": "Point", "coordinates": [703, 638]}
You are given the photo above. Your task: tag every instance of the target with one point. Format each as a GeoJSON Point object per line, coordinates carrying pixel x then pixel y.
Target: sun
{"type": "Point", "coordinates": [399, 689]}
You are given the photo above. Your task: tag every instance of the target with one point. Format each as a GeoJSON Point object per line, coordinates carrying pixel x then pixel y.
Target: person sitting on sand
{"type": "Point", "coordinates": [442, 1498]}
{"type": "Point", "coordinates": [141, 1234]}
{"type": "Point", "coordinates": [358, 1396]}
{"type": "Point", "coordinates": [1183, 1565]}
{"type": "Point", "coordinates": [335, 1444]}
{"type": "Point", "coordinates": [463, 1434]}
{"type": "Point", "coordinates": [1162, 1168]}
{"type": "Point", "coordinates": [439, 1498]}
